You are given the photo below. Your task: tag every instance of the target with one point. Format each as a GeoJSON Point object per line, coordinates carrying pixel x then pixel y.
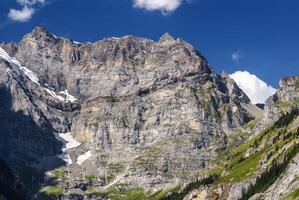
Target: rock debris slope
{"type": "Point", "coordinates": [137, 113]}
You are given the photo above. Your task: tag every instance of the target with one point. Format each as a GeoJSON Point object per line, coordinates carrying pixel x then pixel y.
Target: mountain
{"type": "Point", "coordinates": [122, 118]}
{"type": "Point", "coordinates": [265, 165]}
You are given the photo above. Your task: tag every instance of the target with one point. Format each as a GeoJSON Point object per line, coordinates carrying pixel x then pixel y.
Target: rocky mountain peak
{"type": "Point", "coordinates": [291, 81]}
{"type": "Point", "coordinates": [166, 37]}
{"type": "Point", "coordinates": [40, 29]}
{"type": "Point", "coordinates": [285, 99]}
{"type": "Point", "coordinates": [41, 32]}
{"type": "Point", "coordinates": [224, 74]}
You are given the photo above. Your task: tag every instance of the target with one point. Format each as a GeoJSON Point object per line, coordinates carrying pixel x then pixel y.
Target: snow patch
{"type": "Point", "coordinates": [69, 142]}
{"type": "Point", "coordinates": [75, 42]}
{"type": "Point", "coordinates": [84, 157]}
{"type": "Point", "coordinates": [30, 74]}
{"type": "Point", "coordinates": [118, 38]}
{"type": "Point", "coordinates": [68, 97]}
{"type": "Point", "coordinates": [53, 94]}
{"type": "Point", "coordinates": [66, 158]}
{"type": "Point", "coordinates": [54, 36]}
{"type": "Point", "coordinates": [62, 95]}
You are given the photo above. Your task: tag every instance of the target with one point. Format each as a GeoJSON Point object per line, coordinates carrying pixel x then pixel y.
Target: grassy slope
{"type": "Point", "coordinates": [116, 193]}
{"type": "Point", "coordinates": [292, 195]}
{"type": "Point", "coordinates": [54, 191]}
{"type": "Point", "coordinates": [238, 167]}
{"type": "Point", "coordinates": [243, 161]}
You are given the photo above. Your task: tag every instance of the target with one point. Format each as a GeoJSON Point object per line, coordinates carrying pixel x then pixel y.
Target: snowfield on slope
{"type": "Point", "coordinates": [68, 143]}
{"type": "Point", "coordinates": [82, 158]}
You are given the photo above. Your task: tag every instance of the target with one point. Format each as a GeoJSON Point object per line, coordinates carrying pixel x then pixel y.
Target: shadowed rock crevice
{"type": "Point", "coordinates": [10, 189]}
{"type": "Point", "coordinates": [25, 147]}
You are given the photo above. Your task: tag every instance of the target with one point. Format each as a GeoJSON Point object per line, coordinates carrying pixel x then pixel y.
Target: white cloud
{"type": "Point", "coordinates": [256, 89]}
{"type": "Point", "coordinates": [165, 6]}
{"type": "Point", "coordinates": [30, 2]}
{"type": "Point", "coordinates": [24, 14]}
{"type": "Point", "coordinates": [237, 55]}
{"type": "Point", "coordinates": [21, 15]}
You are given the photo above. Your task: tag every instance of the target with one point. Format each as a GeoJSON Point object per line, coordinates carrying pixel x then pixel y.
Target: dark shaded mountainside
{"type": "Point", "coordinates": [131, 118]}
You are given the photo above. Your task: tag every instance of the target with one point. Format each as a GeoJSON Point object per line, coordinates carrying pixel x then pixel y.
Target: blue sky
{"type": "Point", "coordinates": [259, 36]}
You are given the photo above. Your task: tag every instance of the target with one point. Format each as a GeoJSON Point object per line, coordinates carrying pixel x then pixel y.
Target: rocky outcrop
{"type": "Point", "coordinates": [285, 185]}
{"type": "Point", "coordinates": [286, 98]}
{"type": "Point", "coordinates": [22, 122]}
{"type": "Point", "coordinates": [273, 136]}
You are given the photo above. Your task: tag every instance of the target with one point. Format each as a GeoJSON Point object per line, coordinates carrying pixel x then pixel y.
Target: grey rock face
{"type": "Point", "coordinates": [286, 98]}
{"type": "Point", "coordinates": [148, 114]}
{"type": "Point", "coordinates": [23, 120]}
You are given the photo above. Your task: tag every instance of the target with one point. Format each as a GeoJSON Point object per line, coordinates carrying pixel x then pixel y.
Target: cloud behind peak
{"type": "Point", "coordinates": [256, 89]}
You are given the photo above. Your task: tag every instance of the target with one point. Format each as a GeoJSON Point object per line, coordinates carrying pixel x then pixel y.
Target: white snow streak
{"type": "Point", "coordinates": [118, 178]}
{"type": "Point", "coordinates": [84, 157]}
{"type": "Point", "coordinates": [30, 74]}
{"type": "Point", "coordinates": [68, 143]}
{"type": "Point", "coordinates": [75, 42]}
{"type": "Point", "coordinates": [118, 38]}
{"type": "Point", "coordinates": [66, 158]}
{"type": "Point", "coordinates": [68, 140]}
{"type": "Point", "coordinates": [54, 36]}
{"type": "Point", "coordinates": [53, 94]}
{"type": "Point", "coordinates": [6, 57]}
{"type": "Point", "coordinates": [62, 95]}
{"type": "Point", "coordinates": [113, 182]}
{"type": "Point", "coordinates": [68, 97]}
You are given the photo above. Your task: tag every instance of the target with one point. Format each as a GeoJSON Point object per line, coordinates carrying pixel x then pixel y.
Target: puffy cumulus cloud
{"type": "Point", "coordinates": [256, 89]}
{"type": "Point", "coordinates": [22, 15]}
{"type": "Point", "coordinates": [165, 6]}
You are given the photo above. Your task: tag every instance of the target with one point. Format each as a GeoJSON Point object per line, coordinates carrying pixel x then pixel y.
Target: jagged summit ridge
{"type": "Point", "coordinates": [177, 58]}
{"type": "Point", "coordinates": [42, 32]}
{"type": "Point", "coordinates": [166, 37]}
